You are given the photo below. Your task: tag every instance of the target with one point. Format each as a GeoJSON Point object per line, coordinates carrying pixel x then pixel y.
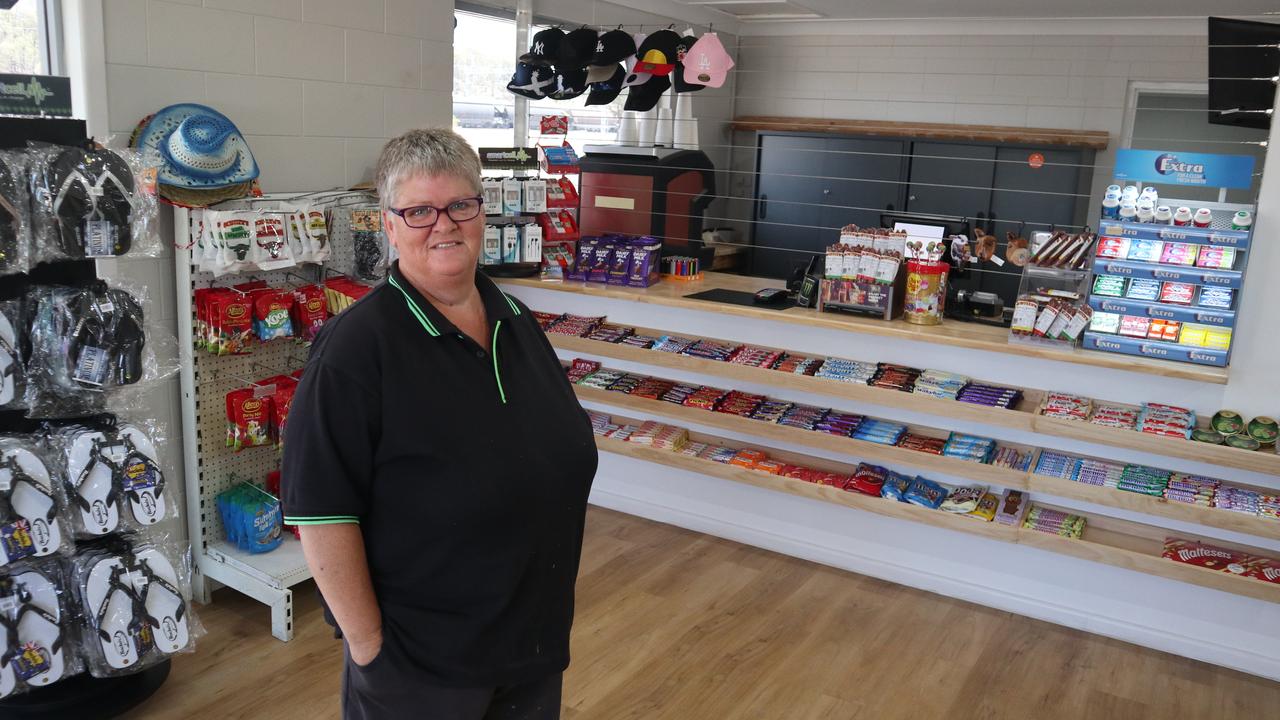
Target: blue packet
{"type": "Point", "coordinates": [925, 493]}
{"type": "Point", "coordinates": [895, 486]}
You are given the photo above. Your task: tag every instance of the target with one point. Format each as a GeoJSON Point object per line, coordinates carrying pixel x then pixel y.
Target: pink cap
{"type": "Point", "coordinates": [707, 63]}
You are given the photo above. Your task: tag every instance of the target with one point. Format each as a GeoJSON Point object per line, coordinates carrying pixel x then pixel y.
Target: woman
{"type": "Point", "coordinates": [438, 465]}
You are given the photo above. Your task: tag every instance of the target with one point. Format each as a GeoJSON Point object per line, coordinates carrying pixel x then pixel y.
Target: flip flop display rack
{"type": "Point", "coordinates": [234, 382]}
{"type": "Point", "coordinates": [93, 582]}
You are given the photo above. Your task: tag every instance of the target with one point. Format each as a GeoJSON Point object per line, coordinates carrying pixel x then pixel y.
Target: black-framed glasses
{"type": "Point", "coordinates": [424, 216]}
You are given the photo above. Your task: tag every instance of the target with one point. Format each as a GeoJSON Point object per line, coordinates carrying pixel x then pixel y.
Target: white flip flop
{"type": "Point", "coordinates": [40, 633]}
{"type": "Point", "coordinates": [8, 645]}
{"type": "Point", "coordinates": [8, 361]}
{"type": "Point", "coordinates": [110, 603]}
{"type": "Point", "coordinates": [92, 480]}
{"type": "Point", "coordinates": [165, 606]}
{"type": "Point", "coordinates": [25, 479]}
{"type": "Point", "coordinates": [141, 480]}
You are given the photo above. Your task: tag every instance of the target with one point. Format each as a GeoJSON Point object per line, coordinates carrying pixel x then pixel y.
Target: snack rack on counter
{"type": "Point", "coordinates": [534, 210]}
{"type": "Point", "coordinates": [1051, 308]}
{"type": "Point", "coordinates": [1169, 292]}
{"type": "Point", "coordinates": [213, 468]}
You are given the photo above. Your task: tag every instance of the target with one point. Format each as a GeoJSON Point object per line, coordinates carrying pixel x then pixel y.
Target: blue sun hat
{"type": "Point", "coordinates": [200, 147]}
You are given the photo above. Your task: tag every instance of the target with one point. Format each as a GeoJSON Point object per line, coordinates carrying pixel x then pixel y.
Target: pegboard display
{"type": "Point", "coordinates": [358, 247]}
{"type": "Point", "coordinates": [211, 466]}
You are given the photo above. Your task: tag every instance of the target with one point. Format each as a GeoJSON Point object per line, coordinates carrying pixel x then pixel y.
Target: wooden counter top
{"type": "Point", "coordinates": [955, 333]}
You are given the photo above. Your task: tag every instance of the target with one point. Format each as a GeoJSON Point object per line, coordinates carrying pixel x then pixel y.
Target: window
{"type": "Point", "coordinates": [483, 60]}
{"type": "Point", "coordinates": [484, 52]}
{"type": "Point", "coordinates": [595, 124]}
{"type": "Point", "coordinates": [23, 43]}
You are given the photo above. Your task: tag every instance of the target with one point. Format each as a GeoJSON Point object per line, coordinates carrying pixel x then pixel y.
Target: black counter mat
{"type": "Point", "coordinates": [738, 297]}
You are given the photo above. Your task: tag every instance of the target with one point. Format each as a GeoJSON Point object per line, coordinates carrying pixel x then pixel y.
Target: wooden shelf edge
{"type": "Point", "coordinates": [972, 337]}
{"type": "Point", "coordinates": [1118, 543]}
{"type": "Point", "coordinates": [872, 452]}
{"type": "Point", "coordinates": [1004, 477]}
{"type": "Point", "coordinates": [1259, 461]}
{"type": "Point", "coordinates": [1150, 505]}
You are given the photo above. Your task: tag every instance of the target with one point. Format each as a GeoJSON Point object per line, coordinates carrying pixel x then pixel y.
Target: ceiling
{"type": "Point", "coordinates": [808, 10]}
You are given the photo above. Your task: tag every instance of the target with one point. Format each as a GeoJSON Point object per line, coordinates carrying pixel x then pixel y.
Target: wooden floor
{"type": "Point", "coordinates": [674, 625]}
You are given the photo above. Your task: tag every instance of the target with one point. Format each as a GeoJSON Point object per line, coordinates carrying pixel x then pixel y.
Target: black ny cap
{"type": "Point", "coordinates": [613, 47]}
{"type": "Point", "coordinates": [578, 48]}
{"type": "Point", "coordinates": [545, 48]}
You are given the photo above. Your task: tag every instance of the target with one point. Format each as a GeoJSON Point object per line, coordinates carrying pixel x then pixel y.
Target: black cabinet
{"type": "Point", "coordinates": [809, 185]}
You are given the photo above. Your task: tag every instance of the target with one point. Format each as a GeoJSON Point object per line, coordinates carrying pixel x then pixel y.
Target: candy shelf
{"type": "Point", "coordinates": [967, 335]}
{"type": "Point", "coordinates": [1162, 311]}
{"type": "Point", "coordinates": [1174, 233]}
{"type": "Point", "coordinates": [871, 451]}
{"type": "Point", "coordinates": [1121, 543]}
{"type": "Point", "coordinates": [978, 472]}
{"type": "Point", "coordinates": [1025, 418]}
{"type": "Point", "coordinates": [1169, 273]}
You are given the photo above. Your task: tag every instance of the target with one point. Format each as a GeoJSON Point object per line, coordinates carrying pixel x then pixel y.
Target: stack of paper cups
{"type": "Point", "coordinates": [686, 125]}
{"type": "Point", "coordinates": [664, 137]}
{"type": "Point", "coordinates": [628, 129]}
{"type": "Point", "coordinates": [648, 128]}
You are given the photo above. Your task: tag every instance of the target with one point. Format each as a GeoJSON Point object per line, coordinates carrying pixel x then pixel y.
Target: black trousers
{"type": "Point", "coordinates": [380, 691]}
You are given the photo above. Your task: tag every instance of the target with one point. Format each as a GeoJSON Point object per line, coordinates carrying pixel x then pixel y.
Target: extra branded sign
{"type": "Point", "coordinates": [1178, 168]}
{"type": "Point", "coordinates": [35, 95]}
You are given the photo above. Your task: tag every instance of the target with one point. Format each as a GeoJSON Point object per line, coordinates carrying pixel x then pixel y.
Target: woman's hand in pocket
{"type": "Point", "coordinates": [365, 650]}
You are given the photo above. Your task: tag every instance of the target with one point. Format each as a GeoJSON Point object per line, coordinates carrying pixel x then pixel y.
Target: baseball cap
{"type": "Point", "coordinates": [613, 47]}
{"type": "Point", "coordinates": [707, 62]}
{"type": "Point", "coordinates": [578, 47]}
{"type": "Point", "coordinates": [545, 48]}
{"type": "Point", "coordinates": [532, 81]}
{"type": "Point", "coordinates": [606, 91]}
{"type": "Point", "coordinates": [569, 83]}
{"type": "Point", "coordinates": [677, 77]}
{"type": "Point", "coordinates": [601, 73]}
{"type": "Point", "coordinates": [644, 95]}
{"type": "Point", "coordinates": [657, 54]}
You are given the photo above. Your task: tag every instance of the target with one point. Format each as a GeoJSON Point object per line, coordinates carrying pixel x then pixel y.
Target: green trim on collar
{"type": "Point", "coordinates": [496, 375]}
{"type": "Point", "coordinates": [414, 308]}
{"type": "Point", "coordinates": [507, 297]}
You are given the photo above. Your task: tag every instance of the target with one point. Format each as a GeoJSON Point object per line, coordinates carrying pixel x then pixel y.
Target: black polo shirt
{"type": "Point", "coordinates": [468, 472]}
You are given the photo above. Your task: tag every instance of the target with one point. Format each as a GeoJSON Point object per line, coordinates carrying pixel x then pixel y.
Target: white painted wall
{"type": "Point", "coordinates": [316, 86]}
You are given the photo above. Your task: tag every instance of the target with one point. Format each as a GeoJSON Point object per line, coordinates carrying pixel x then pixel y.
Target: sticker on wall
{"type": "Point", "coordinates": [1036, 160]}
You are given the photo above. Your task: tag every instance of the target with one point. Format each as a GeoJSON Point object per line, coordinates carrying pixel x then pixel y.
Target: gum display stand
{"type": "Point", "coordinates": [82, 696]}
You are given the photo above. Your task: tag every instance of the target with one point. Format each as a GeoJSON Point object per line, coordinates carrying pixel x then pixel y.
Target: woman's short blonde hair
{"type": "Point", "coordinates": [433, 151]}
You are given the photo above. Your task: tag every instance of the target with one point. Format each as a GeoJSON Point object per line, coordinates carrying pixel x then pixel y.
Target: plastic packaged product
{"type": "Point", "coordinates": [1143, 289]}
{"type": "Point", "coordinates": [1109, 285]}
{"type": "Point", "coordinates": [985, 509]}
{"type": "Point", "coordinates": [925, 493]}
{"type": "Point", "coordinates": [93, 202]}
{"type": "Point", "coordinates": [33, 522]}
{"type": "Point", "coordinates": [112, 474]}
{"type": "Point", "coordinates": [1012, 508]}
{"type": "Point", "coordinates": [252, 518]}
{"type": "Point", "coordinates": [37, 631]}
{"type": "Point", "coordinates": [895, 486]}
{"type": "Point", "coordinates": [963, 499]}
{"type": "Point", "coordinates": [12, 368]}
{"type": "Point", "coordinates": [15, 216]}
{"type": "Point", "coordinates": [84, 342]}
{"type": "Point", "coordinates": [135, 600]}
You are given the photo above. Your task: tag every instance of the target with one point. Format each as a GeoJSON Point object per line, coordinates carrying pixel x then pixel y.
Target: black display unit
{"type": "Point", "coordinates": [83, 697]}
{"type": "Point", "coordinates": [809, 185]}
